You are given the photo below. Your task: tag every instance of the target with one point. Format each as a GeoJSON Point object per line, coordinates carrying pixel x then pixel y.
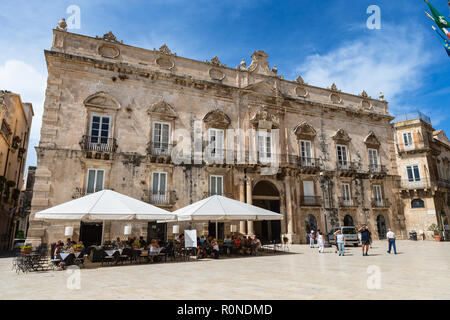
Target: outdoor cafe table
{"type": "Point", "coordinates": [113, 251]}
{"type": "Point", "coordinates": [64, 255]}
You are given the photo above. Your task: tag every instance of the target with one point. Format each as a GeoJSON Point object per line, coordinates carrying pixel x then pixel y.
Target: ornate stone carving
{"type": "Point", "coordinates": [215, 61]}
{"type": "Point", "coordinates": [162, 109]}
{"type": "Point", "coordinates": [371, 140]}
{"type": "Point", "coordinates": [334, 88]}
{"type": "Point", "coordinates": [243, 64]}
{"type": "Point", "coordinates": [165, 63]}
{"type": "Point", "coordinates": [108, 51]}
{"type": "Point", "coordinates": [381, 96]}
{"type": "Point", "coordinates": [164, 49]}
{"type": "Point", "coordinates": [305, 131]}
{"type": "Point", "coordinates": [110, 37]}
{"type": "Point", "coordinates": [264, 88]}
{"type": "Point", "coordinates": [335, 98]}
{"type": "Point", "coordinates": [62, 25]}
{"type": "Point", "coordinates": [263, 119]}
{"type": "Point", "coordinates": [217, 119]}
{"type": "Point", "coordinates": [102, 100]}
{"type": "Point", "coordinates": [301, 91]}
{"type": "Point", "coordinates": [259, 64]}
{"type": "Point", "coordinates": [341, 136]}
{"type": "Point", "coordinates": [216, 74]}
{"type": "Point", "coordinates": [300, 80]}
{"type": "Point", "coordinates": [365, 104]}
{"type": "Point", "coordinates": [364, 94]}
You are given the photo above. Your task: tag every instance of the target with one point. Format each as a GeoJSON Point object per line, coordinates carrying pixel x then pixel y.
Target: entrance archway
{"type": "Point", "coordinates": [310, 224]}
{"type": "Point", "coordinates": [381, 226]}
{"type": "Point", "coordinates": [265, 195]}
{"type": "Point", "coordinates": [348, 221]}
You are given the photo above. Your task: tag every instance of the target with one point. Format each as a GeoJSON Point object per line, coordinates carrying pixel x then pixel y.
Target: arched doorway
{"type": "Point", "coordinates": [381, 225]}
{"type": "Point", "coordinates": [265, 195]}
{"type": "Point", "coordinates": [348, 221]}
{"type": "Point", "coordinates": [310, 224]}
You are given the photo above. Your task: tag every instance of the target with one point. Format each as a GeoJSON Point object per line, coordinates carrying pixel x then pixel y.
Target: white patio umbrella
{"type": "Point", "coordinates": [105, 205]}
{"type": "Point", "coordinates": [218, 208]}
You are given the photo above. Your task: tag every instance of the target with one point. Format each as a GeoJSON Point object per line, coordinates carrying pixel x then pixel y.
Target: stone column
{"type": "Point", "coordinates": [242, 224]}
{"type": "Point", "coordinates": [249, 201]}
{"type": "Point", "coordinates": [289, 217]}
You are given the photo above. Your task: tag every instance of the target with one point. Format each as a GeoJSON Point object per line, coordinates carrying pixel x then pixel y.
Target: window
{"type": "Point", "coordinates": [346, 195]}
{"type": "Point", "coordinates": [159, 187]}
{"type": "Point", "coordinates": [413, 173]}
{"type": "Point", "coordinates": [216, 185]}
{"type": "Point", "coordinates": [342, 156]}
{"type": "Point", "coordinates": [100, 127]}
{"type": "Point", "coordinates": [265, 145]}
{"type": "Point", "coordinates": [95, 180]}
{"type": "Point", "coordinates": [308, 192]}
{"type": "Point", "coordinates": [161, 138]}
{"type": "Point", "coordinates": [407, 139]}
{"type": "Point", "coordinates": [216, 143]}
{"type": "Point", "coordinates": [305, 153]}
{"type": "Point", "coordinates": [373, 160]}
{"type": "Point", "coordinates": [417, 203]}
{"type": "Point", "coordinates": [378, 195]}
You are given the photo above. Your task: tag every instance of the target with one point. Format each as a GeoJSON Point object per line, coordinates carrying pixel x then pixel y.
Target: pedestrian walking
{"type": "Point", "coordinates": [391, 241]}
{"type": "Point", "coordinates": [365, 239]}
{"type": "Point", "coordinates": [340, 240]}
{"type": "Point", "coordinates": [311, 239]}
{"type": "Point", "coordinates": [320, 241]}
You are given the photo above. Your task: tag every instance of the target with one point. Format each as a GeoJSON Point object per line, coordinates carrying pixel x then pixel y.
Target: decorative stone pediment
{"type": "Point", "coordinates": [162, 110]}
{"type": "Point", "coordinates": [371, 140]}
{"type": "Point", "coordinates": [102, 100]}
{"type": "Point", "coordinates": [301, 91]}
{"type": "Point", "coordinates": [300, 80]}
{"type": "Point", "coordinates": [335, 98]}
{"type": "Point", "coordinates": [217, 119]}
{"type": "Point", "coordinates": [341, 136]}
{"type": "Point", "coordinates": [264, 88]}
{"type": "Point", "coordinates": [110, 37]}
{"type": "Point", "coordinates": [216, 74]}
{"type": "Point", "coordinates": [305, 131]}
{"type": "Point", "coordinates": [263, 119]}
{"type": "Point", "coordinates": [259, 64]}
{"type": "Point", "coordinates": [164, 62]}
{"type": "Point", "coordinates": [215, 61]}
{"type": "Point", "coordinates": [108, 51]}
{"type": "Point", "coordinates": [164, 49]}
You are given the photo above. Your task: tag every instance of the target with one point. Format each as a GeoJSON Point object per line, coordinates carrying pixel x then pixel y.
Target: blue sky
{"type": "Point", "coordinates": [325, 41]}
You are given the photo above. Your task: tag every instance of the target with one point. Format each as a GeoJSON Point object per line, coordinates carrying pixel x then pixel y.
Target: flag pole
{"type": "Point", "coordinates": [429, 16]}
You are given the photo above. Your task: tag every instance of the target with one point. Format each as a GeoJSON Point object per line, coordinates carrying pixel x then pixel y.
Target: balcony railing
{"type": "Point", "coordinates": [100, 144]}
{"type": "Point", "coordinates": [380, 203]}
{"type": "Point", "coordinates": [377, 168]}
{"type": "Point", "coordinates": [158, 197]}
{"type": "Point", "coordinates": [423, 183]}
{"type": "Point", "coordinates": [345, 165]}
{"type": "Point", "coordinates": [347, 202]}
{"type": "Point", "coordinates": [309, 162]}
{"type": "Point", "coordinates": [311, 201]}
{"type": "Point", "coordinates": [160, 149]}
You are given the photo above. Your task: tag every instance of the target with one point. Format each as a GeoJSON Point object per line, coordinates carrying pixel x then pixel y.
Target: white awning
{"type": "Point", "coordinates": [218, 208]}
{"type": "Point", "coordinates": [105, 205]}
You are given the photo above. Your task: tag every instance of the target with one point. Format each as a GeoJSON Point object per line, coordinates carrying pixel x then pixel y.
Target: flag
{"type": "Point", "coordinates": [444, 41]}
{"type": "Point", "coordinates": [440, 20]}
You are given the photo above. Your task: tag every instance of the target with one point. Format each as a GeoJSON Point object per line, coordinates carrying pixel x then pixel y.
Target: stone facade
{"type": "Point", "coordinates": [150, 101]}
{"type": "Point", "coordinates": [423, 156]}
{"type": "Point", "coordinates": [16, 120]}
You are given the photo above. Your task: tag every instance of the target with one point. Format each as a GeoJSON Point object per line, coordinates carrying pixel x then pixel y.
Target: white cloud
{"type": "Point", "coordinates": [392, 61]}
{"type": "Point", "coordinates": [21, 78]}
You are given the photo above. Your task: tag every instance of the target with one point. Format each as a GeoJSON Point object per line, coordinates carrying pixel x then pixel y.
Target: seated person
{"type": "Point", "coordinates": [117, 243]}
{"type": "Point", "coordinates": [202, 240]}
{"type": "Point", "coordinates": [142, 242]}
{"type": "Point", "coordinates": [154, 249]}
{"type": "Point", "coordinates": [227, 241]}
{"type": "Point", "coordinates": [215, 249]}
{"type": "Point", "coordinates": [237, 242]}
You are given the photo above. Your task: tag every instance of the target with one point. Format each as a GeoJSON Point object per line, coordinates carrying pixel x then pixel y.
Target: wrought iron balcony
{"type": "Point", "coordinates": [310, 201]}
{"type": "Point", "coordinates": [347, 202]}
{"type": "Point", "coordinates": [380, 203]}
{"type": "Point", "coordinates": [157, 197]}
{"type": "Point", "coordinates": [345, 165]}
{"type": "Point", "coordinates": [159, 149]}
{"type": "Point", "coordinates": [309, 162]}
{"type": "Point", "coordinates": [99, 144]}
{"type": "Point", "coordinates": [377, 169]}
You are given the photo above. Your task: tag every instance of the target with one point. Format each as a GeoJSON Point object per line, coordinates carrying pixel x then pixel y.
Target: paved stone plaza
{"type": "Point", "coordinates": [419, 271]}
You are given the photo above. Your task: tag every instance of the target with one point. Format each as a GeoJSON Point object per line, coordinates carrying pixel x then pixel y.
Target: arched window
{"type": "Point", "coordinates": [417, 203]}
{"type": "Point", "coordinates": [348, 221]}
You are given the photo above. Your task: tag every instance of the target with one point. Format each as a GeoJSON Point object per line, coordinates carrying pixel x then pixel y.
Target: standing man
{"type": "Point", "coordinates": [365, 239]}
{"type": "Point", "coordinates": [311, 239]}
{"type": "Point", "coordinates": [391, 240]}
{"type": "Point", "coordinates": [340, 241]}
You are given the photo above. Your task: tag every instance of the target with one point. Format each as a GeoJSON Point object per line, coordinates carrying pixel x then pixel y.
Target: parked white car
{"type": "Point", "coordinates": [351, 235]}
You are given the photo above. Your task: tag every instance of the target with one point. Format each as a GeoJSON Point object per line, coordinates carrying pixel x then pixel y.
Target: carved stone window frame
{"type": "Point", "coordinates": [162, 112]}
{"type": "Point", "coordinates": [101, 104]}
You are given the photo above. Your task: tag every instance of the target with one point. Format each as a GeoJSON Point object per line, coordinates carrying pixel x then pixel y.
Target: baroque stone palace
{"type": "Point", "coordinates": [110, 119]}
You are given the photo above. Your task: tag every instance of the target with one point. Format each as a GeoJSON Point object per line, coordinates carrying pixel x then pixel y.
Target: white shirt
{"type": "Point", "coordinates": [390, 235]}
{"type": "Point", "coordinates": [340, 238]}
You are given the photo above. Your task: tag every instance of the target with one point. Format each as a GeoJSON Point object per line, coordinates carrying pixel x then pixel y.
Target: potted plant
{"type": "Point", "coordinates": [78, 248]}
{"type": "Point", "coordinates": [437, 231]}
{"type": "Point", "coordinates": [26, 249]}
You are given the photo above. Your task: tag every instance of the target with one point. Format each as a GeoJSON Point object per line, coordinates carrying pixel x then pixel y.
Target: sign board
{"type": "Point", "coordinates": [190, 238]}
{"type": "Point", "coordinates": [431, 212]}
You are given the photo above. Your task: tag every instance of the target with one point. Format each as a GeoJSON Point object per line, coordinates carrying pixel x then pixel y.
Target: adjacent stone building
{"type": "Point", "coordinates": [423, 159]}
{"type": "Point", "coordinates": [16, 118]}
{"type": "Point", "coordinates": [114, 113]}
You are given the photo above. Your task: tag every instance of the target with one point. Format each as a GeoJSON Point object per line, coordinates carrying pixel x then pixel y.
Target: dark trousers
{"type": "Point", "coordinates": [392, 244]}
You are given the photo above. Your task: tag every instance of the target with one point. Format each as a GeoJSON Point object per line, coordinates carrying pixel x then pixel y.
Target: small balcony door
{"type": "Point", "coordinates": [308, 193]}
{"type": "Point", "coordinates": [216, 185]}
{"type": "Point", "coordinates": [159, 187]}
{"type": "Point", "coordinates": [342, 156]}
{"type": "Point", "coordinates": [265, 146]}
{"type": "Point", "coordinates": [407, 139]}
{"type": "Point", "coordinates": [99, 130]}
{"type": "Point", "coordinates": [95, 180]}
{"type": "Point", "coordinates": [216, 143]}
{"type": "Point", "coordinates": [378, 195]}
{"type": "Point", "coordinates": [346, 194]}
{"type": "Point", "coordinates": [161, 138]}
{"type": "Point", "coordinates": [373, 160]}
{"type": "Point", "coordinates": [305, 153]}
